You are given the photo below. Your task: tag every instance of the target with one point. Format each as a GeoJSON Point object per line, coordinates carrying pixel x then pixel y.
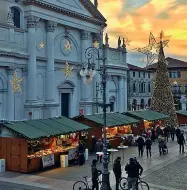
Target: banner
{"type": "Point", "coordinates": [48, 160]}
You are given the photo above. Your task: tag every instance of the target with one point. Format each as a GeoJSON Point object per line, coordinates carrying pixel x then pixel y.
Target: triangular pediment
{"type": "Point", "coordinates": [80, 7]}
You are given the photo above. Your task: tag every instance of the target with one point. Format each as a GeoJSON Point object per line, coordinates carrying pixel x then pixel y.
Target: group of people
{"type": "Point", "coordinates": [133, 169]}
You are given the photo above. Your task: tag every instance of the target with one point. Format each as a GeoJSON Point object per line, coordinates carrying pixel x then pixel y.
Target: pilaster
{"type": "Point", "coordinates": [50, 28]}
{"type": "Point", "coordinates": [10, 97]}
{"type": "Point", "coordinates": [32, 22]}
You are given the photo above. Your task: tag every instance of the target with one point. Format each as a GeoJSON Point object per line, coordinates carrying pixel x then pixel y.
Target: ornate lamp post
{"type": "Point", "coordinates": [88, 71]}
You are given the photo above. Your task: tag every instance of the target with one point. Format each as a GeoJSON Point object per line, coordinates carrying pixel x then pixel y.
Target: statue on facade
{"type": "Point", "coordinates": [10, 17]}
{"type": "Point", "coordinates": [124, 45]}
{"type": "Point", "coordinates": [119, 42]}
{"type": "Point", "coordinates": [106, 40]}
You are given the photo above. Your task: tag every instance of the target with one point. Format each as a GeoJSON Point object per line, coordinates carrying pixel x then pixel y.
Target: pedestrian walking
{"type": "Point", "coordinates": [181, 142]}
{"type": "Point", "coordinates": [172, 131]}
{"type": "Point", "coordinates": [95, 174]}
{"type": "Point", "coordinates": [93, 144]}
{"type": "Point", "coordinates": [158, 131]}
{"type": "Point", "coordinates": [81, 150]}
{"type": "Point", "coordinates": [153, 134]}
{"type": "Point", "coordinates": [148, 144]}
{"type": "Point", "coordinates": [99, 148]}
{"type": "Point", "coordinates": [165, 130]}
{"type": "Point", "coordinates": [178, 132]}
{"type": "Point", "coordinates": [117, 171]}
{"type": "Point", "coordinates": [140, 143]}
{"type": "Point", "coordinates": [161, 145]}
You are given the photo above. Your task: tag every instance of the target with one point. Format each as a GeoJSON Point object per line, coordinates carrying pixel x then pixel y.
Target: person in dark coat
{"type": "Point", "coordinates": [117, 171]}
{"type": "Point", "coordinates": [140, 143]}
{"type": "Point", "coordinates": [166, 133]}
{"type": "Point", "coordinates": [153, 134]}
{"type": "Point", "coordinates": [99, 148]}
{"type": "Point", "coordinates": [158, 131]}
{"type": "Point", "coordinates": [178, 132]}
{"type": "Point", "coordinates": [172, 131]}
{"type": "Point", "coordinates": [93, 144]}
{"type": "Point", "coordinates": [181, 142]}
{"type": "Point", "coordinates": [95, 174]}
{"type": "Point", "coordinates": [81, 150]}
{"type": "Point", "coordinates": [148, 144]}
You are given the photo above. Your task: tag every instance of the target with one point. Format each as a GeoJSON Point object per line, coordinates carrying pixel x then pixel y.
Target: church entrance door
{"type": "Point", "coordinates": [65, 102]}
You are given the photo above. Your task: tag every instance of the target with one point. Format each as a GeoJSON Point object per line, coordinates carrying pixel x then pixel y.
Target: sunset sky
{"type": "Point", "coordinates": [135, 19]}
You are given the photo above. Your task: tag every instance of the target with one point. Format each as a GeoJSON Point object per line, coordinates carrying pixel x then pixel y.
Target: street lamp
{"type": "Point", "coordinates": [88, 71]}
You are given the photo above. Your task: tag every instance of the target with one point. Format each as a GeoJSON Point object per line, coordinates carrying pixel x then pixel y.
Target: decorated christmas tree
{"type": "Point", "coordinates": [162, 98]}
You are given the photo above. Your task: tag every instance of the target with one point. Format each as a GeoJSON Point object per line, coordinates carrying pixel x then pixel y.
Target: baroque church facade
{"type": "Point", "coordinates": [38, 39]}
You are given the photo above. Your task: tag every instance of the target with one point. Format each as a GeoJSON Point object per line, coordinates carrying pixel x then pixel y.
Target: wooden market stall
{"type": "Point", "coordinates": [30, 146]}
{"type": "Point", "coordinates": [118, 125]}
{"type": "Point", "coordinates": [148, 119]}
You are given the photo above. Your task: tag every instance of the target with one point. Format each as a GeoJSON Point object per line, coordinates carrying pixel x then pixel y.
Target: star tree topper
{"type": "Point", "coordinates": [67, 70]}
{"type": "Point", "coordinates": [16, 83]}
{"type": "Point", "coordinates": [152, 50]}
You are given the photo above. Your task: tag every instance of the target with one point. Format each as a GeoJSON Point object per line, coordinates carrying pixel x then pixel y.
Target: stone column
{"type": "Point", "coordinates": [31, 85]}
{"type": "Point", "coordinates": [86, 89]}
{"type": "Point", "coordinates": [121, 94]}
{"type": "Point", "coordinates": [50, 27]}
{"type": "Point", "coordinates": [125, 94]}
{"type": "Point", "coordinates": [10, 97]}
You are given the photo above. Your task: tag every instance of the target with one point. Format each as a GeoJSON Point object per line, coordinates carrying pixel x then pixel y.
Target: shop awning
{"type": "Point", "coordinates": [182, 112]}
{"type": "Point", "coordinates": [35, 129]}
{"type": "Point", "coordinates": [112, 119]}
{"type": "Point", "coordinates": [148, 115]}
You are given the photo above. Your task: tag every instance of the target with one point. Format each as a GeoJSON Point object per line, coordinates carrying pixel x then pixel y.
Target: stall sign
{"type": "Point", "coordinates": [48, 160]}
{"type": "Point", "coordinates": [71, 154]}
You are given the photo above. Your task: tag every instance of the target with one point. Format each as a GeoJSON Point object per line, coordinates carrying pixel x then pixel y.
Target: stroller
{"type": "Point", "coordinates": [163, 149]}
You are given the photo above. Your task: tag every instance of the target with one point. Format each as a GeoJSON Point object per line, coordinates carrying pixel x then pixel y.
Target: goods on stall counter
{"type": "Point", "coordinates": [50, 151]}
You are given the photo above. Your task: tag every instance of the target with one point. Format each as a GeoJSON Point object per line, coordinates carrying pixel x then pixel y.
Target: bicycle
{"type": "Point", "coordinates": [141, 185]}
{"type": "Point", "coordinates": [83, 185]}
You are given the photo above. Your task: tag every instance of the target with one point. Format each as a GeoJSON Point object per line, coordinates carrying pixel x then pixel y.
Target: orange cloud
{"type": "Point", "coordinates": [153, 16]}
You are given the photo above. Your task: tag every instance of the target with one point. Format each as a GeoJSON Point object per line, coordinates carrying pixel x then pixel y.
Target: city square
{"type": "Point", "coordinates": [93, 95]}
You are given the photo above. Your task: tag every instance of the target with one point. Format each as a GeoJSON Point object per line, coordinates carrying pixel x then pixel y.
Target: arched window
{"type": "Point", "coordinates": [16, 16]}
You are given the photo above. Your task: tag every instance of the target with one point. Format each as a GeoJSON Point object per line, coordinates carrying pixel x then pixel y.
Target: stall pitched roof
{"type": "Point", "coordinates": [182, 112]}
{"type": "Point", "coordinates": [112, 119]}
{"type": "Point", "coordinates": [148, 115]}
{"type": "Point", "coordinates": [35, 129]}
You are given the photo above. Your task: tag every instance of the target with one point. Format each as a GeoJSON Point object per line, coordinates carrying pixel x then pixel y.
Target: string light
{"type": "Point", "coordinates": [16, 83]}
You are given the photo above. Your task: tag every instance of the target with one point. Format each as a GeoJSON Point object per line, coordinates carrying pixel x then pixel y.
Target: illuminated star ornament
{"type": "Point", "coordinates": [152, 50]}
{"type": "Point", "coordinates": [68, 46]}
{"type": "Point", "coordinates": [41, 45]}
{"type": "Point", "coordinates": [67, 70]}
{"type": "Point", "coordinates": [175, 83]}
{"type": "Point", "coordinates": [16, 83]}
{"type": "Point", "coordinates": [96, 44]}
{"type": "Point", "coordinates": [127, 42]}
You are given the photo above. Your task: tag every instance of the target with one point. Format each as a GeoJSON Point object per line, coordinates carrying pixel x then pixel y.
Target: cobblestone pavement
{"type": "Point", "coordinates": [172, 176]}
{"type": "Point", "coordinates": [14, 186]}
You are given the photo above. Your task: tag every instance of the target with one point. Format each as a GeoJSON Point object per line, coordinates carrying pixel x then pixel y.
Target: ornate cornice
{"type": "Point", "coordinates": [12, 54]}
{"type": "Point", "coordinates": [98, 20]}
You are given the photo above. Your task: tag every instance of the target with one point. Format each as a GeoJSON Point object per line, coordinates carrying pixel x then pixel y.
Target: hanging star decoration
{"type": "Point", "coordinates": [152, 50]}
{"type": "Point", "coordinates": [68, 46]}
{"type": "Point", "coordinates": [16, 83]}
{"type": "Point", "coordinates": [42, 45]}
{"type": "Point", "coordinates": [96, 44]}
{"type": "Point", "coordinates": [67, 70]}
{"type": "Point", "coordinates": [127, 42]}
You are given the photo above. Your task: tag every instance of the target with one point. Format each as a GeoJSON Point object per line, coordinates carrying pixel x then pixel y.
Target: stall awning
{"type": "Point", "coordinates": [35, 129]}
{"type": "Point", "coordinates": [148, 115]}
{"type": "Point", "coordinates": [112, 119]}
{"type": "Point", "coordinates": [182, 112]}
